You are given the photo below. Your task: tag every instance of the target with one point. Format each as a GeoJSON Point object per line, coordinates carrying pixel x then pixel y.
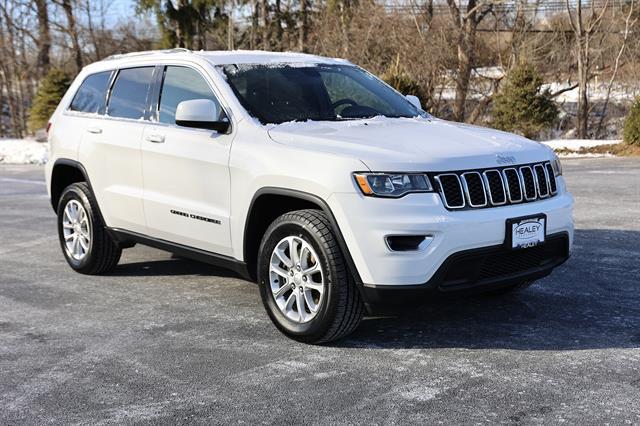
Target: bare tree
{"type": "Point", "coordinates": [44, 38]}
{"type": "Point", "coordinates": [13, 68]}
{"type": "Point", "coordinates": [264, 23]}
{"type": "Point", "coordinates": [72, 31]}
{"type": "Point", "coordinates": [584, 29]}
{"type": "Point", "coordinates": [629, 22]}
{"type": "Point", "coordinates": [93, 36]}
{"type": "Point", "coordinates": [304, 25]}
{"type": "Point", "coordinates": [466, 21]}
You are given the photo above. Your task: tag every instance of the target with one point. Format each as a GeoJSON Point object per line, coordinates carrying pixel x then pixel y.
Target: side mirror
{"type": "Point", "coordinates": [414, 101]}
{"type": "Point", "coordinates": [200, 114]}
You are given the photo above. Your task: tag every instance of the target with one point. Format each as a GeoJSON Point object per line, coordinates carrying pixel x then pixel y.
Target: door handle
{"type": "Point", "coordinates": [155, 138]}
{"type": "Point", "coordinates": [94, 130]}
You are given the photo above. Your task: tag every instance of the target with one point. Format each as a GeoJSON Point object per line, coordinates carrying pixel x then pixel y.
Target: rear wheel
{"type": "Point", "coordinates": [304, 282]}
{"type": "Point", "coordinates": [85, 243]}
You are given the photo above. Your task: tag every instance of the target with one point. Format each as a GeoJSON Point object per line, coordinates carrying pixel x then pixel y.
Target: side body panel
{"type": "Point", "coordinates": [187, 186]}
{"type": "Point", "coordinates": [110, 152]}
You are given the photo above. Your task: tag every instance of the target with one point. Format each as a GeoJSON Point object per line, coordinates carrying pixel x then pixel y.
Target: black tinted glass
{"type": "Point", "coordinates": [129, 93]}
{"type": "Point", "coordinates": [280, 93]}
{"type": "Point", "coordinates": [92, 93]}
{"type": "Point", "coordinates": [181, 84]}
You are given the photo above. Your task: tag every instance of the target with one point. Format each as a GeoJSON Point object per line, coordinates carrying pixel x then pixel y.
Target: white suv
{"type": "Point", "coordinates": [306, 174]}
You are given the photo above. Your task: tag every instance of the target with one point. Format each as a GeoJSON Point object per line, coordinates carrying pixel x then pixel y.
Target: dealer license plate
{"type": "Point", "coordinates": [525, 232]}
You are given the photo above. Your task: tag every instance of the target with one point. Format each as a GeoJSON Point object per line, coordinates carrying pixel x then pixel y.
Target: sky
{"type": "Point", "coordinates": [119, 9]}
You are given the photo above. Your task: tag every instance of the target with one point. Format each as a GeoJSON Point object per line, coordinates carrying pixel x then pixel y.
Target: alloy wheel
{"type": "Point", "coordinates": [296, 279]}
{"type": "Point", "coordinates": [76, 230]}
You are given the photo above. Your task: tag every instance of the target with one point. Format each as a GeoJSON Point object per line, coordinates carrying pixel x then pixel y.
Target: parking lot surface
{"type": "Point", "coordinates": [166, 340]}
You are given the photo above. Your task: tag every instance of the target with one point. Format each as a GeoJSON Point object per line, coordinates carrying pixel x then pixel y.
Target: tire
{"type": "Point", "coordinates": [96, 254]}
{"type": "Point", "coordinates": [339, 308]}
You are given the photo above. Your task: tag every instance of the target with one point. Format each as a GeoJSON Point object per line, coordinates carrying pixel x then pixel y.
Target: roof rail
{"type": "Point", "coordinates": [146, 52]}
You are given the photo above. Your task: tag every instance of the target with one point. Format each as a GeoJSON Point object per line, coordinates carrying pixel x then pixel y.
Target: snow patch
{"type": "Point", "coordinates": [378, 120]}
{"type": "Point", "coordinates": [585, 155]}
{"type": "Point", "coordinates": [228, 57]}
{"type": "Point", "coordinates": [576, 144]}
{"type": "Point", "coordinates": [23, 151]}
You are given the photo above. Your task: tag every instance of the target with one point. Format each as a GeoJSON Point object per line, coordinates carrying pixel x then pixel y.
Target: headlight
{"type": "Point", "coordinates": [556, 166]}
{"type": "Point", "coordinates": [392, 185]}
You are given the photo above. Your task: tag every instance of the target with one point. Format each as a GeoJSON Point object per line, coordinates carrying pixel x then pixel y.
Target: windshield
{"type": "Point", "coordinates": [292, 92]}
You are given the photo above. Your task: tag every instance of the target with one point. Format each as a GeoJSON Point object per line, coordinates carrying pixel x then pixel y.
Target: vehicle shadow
{"type": "Point", "coordinates": [175, 266]}
{"type": "Point", "coordinates": [591, 302]}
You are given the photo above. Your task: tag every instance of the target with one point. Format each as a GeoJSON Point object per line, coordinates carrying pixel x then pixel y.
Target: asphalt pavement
{"type": "Point", "coordinates": [166, 340]}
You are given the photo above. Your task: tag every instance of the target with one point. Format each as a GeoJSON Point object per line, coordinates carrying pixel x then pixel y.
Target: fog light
{"type": "Point", "coordinates": [408, 242]}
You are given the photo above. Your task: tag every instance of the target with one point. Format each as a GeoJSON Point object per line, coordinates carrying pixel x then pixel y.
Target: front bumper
{"type": "Point", "coordinates": [365, 222]}
{"type": "Point", "coordinates": [479, 270]}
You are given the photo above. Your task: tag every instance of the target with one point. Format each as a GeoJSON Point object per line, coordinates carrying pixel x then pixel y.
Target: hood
{"type": "Point", "coordinates": [411, 144]}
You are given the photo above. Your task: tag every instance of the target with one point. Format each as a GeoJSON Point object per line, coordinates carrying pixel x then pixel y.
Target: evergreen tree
{"type": "Point", "coordinates": [182, 23]}
{"type": "Point", "coordinates": [631, 134]}
{"type": "Point", "coordinates": [521, 106]}
{"type": "Point", "coordinates": [52, 88]}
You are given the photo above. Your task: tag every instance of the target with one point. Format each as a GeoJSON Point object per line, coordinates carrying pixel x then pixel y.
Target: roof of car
{"type": "Point", "coordinates": [223, 57]}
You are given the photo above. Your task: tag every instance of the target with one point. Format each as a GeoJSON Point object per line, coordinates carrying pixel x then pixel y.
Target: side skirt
{"type": "Point", "coordinates": [127, 238]}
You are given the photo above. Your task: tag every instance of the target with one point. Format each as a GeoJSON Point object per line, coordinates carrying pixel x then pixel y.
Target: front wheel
{"type": "Point", "coordinates": [305, 286]}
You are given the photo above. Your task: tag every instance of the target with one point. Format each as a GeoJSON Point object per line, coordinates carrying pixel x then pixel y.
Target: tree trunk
{"type": "Point", "coordinates": [231, 28]}
{"type": "Point", "coordinates": [264, 24]}
{"type": "Point", "coordinates": [304, 26]}
{"type": "Point", "coordinates": [466, 22]}
{"type": "Point", "coordinates": [10, 75]}
{"type": "Point", "coordinates": [73, 33]}
{"type": "Point", "coordinates": [466, 47]}
{"type": "Point", "coordinates": [203, 23]}
{"type": "Point", "coordinates": [583, 99]}
{"type": "Point", "coordinates": [344, 25]}
{"type": "Point", "coordinates": [92, 33]}
{"type": "Point", "coordinates": [254, 24]}
{"type": "Point", "coordinates": [44, 38]}
{"type": "Point", "coordinates": [279, 29]}
{"type": "Point", "coordinates": [583, 31]}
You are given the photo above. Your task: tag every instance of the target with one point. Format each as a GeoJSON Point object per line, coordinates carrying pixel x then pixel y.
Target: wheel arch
{"type": "Point", "coordinates": [270, 202]}
{"type": "Point", "coordinates": [64, 173]}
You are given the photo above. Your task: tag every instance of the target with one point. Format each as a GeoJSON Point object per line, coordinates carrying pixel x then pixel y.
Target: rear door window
{"type": "Point", "coordinates": [129, 94]}
{"type": "Point", "coordinates": [92, 94]}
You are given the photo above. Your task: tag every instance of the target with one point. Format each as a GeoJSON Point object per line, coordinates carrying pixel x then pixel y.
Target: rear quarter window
{"type": "Point", "coordinates": [92, 94]}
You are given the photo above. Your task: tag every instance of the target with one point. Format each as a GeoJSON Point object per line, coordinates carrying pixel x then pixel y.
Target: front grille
{"type": "Point", "coordinates": [471, 189]}
{"type": "Point", "coordinates": [479, 266]}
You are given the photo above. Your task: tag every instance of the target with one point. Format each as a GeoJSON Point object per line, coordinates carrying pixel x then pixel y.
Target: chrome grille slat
{"type": "Point", "coordinates": [528, 183]}
{"type": "Point", "coordinates": [516, 179]}
{"type": "Point", "coordinates": [444, 190]}
{"type": "Point", "coordinates": [542, 185]}
{"type": "Point", "coordinates": [474, 189]}
{"type": "Point", "coordinates": [553, 186]}
{"type": "Point", "coordinates": [496, 190]}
